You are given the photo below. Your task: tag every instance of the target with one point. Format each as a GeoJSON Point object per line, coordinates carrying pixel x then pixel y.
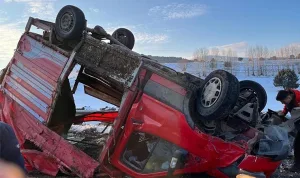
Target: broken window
{"type": "Point", "coordinates": [147, 154]}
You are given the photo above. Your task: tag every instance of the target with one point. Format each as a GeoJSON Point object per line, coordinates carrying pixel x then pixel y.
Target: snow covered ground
{"type": "Point", "coordinates": [82, 100]}
{"type": "Point", "coordinates": [88, 126]}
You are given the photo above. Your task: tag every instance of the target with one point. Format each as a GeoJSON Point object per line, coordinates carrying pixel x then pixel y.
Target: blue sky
{"type": "Point", "coordinates": [165, 27]}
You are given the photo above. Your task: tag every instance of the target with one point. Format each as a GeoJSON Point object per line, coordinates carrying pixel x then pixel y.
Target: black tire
{"type": "Point", "coordinates": [227, 96]}
{"type": "Point", "coordinates": [70, 23]}
{"type": "Point", "coordinates": [124, 36]}
{"type": "Point", "coordinates": [258, 90]}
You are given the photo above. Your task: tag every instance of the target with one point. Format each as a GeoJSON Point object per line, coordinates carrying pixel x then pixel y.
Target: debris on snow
{"type": "Point", "coordinates": [88, 127]}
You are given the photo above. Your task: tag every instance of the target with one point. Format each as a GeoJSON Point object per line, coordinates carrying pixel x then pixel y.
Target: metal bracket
{"type": "Point", "coordinates": [76, 81]}
{"type": "Point", "coordinates": [247, 112]}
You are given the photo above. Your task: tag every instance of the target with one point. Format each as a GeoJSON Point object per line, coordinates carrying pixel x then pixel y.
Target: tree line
{"type": "Point", "coordinates": [258, 52]}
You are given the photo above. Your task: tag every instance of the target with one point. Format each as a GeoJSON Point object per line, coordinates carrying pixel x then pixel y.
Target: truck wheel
{"type": "Point", "coordinates": [217, 97]}
{"type": "Point", "coordinates": [258, 90]}
{"type": "Point", "coordinates": [124, 36]}
{"type": "Point", "coordinates": [70, 23]}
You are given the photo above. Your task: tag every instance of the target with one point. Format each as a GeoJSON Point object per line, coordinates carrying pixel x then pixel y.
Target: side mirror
{"type": "Point", "coordinates": [178, 159]}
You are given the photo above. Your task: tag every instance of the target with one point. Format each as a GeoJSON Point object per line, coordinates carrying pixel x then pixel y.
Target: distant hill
{"type": "Point", "coordinates": [163, 59]}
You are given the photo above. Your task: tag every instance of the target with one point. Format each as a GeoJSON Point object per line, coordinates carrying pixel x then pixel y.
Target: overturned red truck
{"type": "Point", "coordinates": [168, 123]}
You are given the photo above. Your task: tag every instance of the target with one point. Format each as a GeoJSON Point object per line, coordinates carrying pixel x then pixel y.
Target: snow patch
{"type": "Point", "coordinates": [84, 127]}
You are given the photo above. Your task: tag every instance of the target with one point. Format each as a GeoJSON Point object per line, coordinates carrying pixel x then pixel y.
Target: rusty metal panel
{"type": "Point", "coordinates": [100, 86]}
{"type": "Point", "coordinates": [102, 96]}
{"type": "Point", "coordinates": [112, 62]}
{"type": "Point", "coordinates": [33, 77]}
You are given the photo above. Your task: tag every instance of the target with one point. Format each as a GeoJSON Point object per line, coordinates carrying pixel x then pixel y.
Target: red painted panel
{"type": "Point", "coordinates": [33, 91]}
{"type": "Point", "coordinates": [24, 45]}
{"type": "Point", "coordinates": [172, 126]}
{"type": "Point", "coordinates": [65, 154]}
{"type": "Point", "coordinates": [108, 117]}
{"type": "Point", "coordinates": [47, 65]}
{"type": "Point", "coordinates": [35, 69]}
{"type": "Point", "coordinates": [41, 161]}
{"type": "Point", "coordinates": [26, 101]}
{"type": "Point", "coordinates": [259, 164]}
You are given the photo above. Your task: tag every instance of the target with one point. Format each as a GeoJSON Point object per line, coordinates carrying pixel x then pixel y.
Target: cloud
{"type": "Point", "coordinates": [94, 10]}
{"type": "Point", "coordinates": [235, 46]}
{"type": "Point", "coordinates": [178, 11]}
{"type": "Point", "coordinates": [3, 16]}
{"type": "Point", "coordinates": [39, 8]}
{"type": "Point", "coordinates": [240, 48]}
{"type": "Point", "coordinates": [9, 35]}
{"type": "Point", "coordinates": [142, 37]}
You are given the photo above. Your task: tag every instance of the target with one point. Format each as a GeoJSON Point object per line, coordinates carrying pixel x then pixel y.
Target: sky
{"type": "Point", "coordinates": [167, 27]}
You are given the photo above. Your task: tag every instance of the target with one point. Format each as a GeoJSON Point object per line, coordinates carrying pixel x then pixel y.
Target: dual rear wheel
{"type": "Point", "coordinates": [220, 92]}
{"type": "Point", "coordinates": [70, 23]}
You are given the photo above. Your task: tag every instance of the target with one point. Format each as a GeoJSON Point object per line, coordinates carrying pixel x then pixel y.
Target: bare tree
{"type": "Point", "coordinates": [297, 50]}
{"type": "Point", "coordinates": [223, 53]}
{"type": "Point", "coordinates": [293, 50]}
{"type": "Point", "coordinates": [229, 54]}
{"type": "Point", "coordinates": [182, 64]}
{"type": "Point", "coordinates": [278, 53]}
{"type": "Point", "coordinates": [196, 55]}
{"type": "Point", "coordinates": [286, 52]}
{"type": "Point", "coordinates": [250, 53]}
{"type": "Point", "coordinates": [201, 54]}
{"type": "Point", "coordinates": [260, 52]}
{"type": "Point", "coordinates": [234, 55]}
{"type": "Point", "coordinates": [259, 55]}
{"type": "Point", "coordinates": [266, 53]}
{"type": "Point", "coordinates": [233, 59]}
{"type": "Point", "coordinates": [281, 52]}
{"type": "Point", "coordinates": [229, 59]}
{"type": "Point", "coordinates": [251, 56]}
{"type": "Point", "coordinates": [215, 52]}
{"type": "Point", "coordinates": [272, 53]}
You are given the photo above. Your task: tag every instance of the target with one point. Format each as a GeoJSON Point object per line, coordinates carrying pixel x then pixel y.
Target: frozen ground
{"type": "Point", "coordinates": [88, 126]}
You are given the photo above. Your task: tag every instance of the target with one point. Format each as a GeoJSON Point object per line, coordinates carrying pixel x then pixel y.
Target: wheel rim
{"type": "Point", "coordinates": [67, 22]}
{"type": "Point", "coordinates": [211, 92]}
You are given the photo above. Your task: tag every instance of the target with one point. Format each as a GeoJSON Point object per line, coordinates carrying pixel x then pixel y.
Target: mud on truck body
{"type": "Point", "coordinates": [168, 123]}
